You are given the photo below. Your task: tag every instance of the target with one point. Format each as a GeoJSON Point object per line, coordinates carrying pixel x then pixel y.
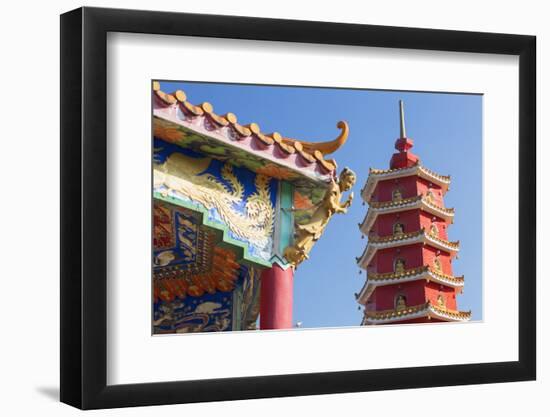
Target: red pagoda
{"type": "Point", "coordinates": [408, 258]}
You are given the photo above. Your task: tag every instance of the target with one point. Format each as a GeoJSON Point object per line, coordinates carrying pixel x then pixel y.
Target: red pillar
{"type": "Point", "coordinates": [276, 298]}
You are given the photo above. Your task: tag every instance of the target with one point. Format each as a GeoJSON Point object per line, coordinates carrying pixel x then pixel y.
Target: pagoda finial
{"type": "Point", "coordinates": [403, 144]}
{"type": "Point", "coordinates": [403, 133]}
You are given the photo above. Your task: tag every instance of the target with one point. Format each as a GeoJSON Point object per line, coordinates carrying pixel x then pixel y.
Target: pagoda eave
{"type": "Point", "coordinates": [377, 175]}
{"type": "Point", "coordinates": [426, 310]}
{"type": "Point", "coordinates": [413, 275]}
{"type": "Point", "coordinates": [424, 273]}
{"type": "Point", "coordinates": [420, 202]}
{"type": "Point", "coordinates": [403, 240]}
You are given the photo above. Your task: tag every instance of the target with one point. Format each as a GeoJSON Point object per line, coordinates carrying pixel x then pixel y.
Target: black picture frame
{"type": "Point", "coordinates": [84, 207]}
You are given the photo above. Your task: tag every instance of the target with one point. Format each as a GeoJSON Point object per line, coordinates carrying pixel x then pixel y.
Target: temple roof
{"type": "Point", "coordinates": [416, 202]}
{"type": "Point", "coordinates": [424, 272]}
{"type": "Point", "coordinates": [413, 312]}
{"type": "Point", "coordinates": [179, 121]}
{"type": "Point", "coordinates": [420, 236]}
{"type": "Point", "coordinates": [376, 175]}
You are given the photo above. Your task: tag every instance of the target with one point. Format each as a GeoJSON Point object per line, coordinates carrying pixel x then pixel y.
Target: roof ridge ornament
{"type": "Point", "coordinates": [326, 147]}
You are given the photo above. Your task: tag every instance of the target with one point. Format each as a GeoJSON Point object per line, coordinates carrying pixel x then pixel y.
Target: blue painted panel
{"type": "Point", "coordinates": [208, 313]}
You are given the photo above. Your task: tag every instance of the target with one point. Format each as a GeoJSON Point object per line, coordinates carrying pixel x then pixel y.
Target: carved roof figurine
{"type": "Point", "coordinates": [308, 233]}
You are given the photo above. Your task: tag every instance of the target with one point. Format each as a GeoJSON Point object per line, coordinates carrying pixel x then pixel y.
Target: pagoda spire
{"type": "Point", "coordinates": [404, 158]}
{"type": "Point", "coordinates": [402, 131]}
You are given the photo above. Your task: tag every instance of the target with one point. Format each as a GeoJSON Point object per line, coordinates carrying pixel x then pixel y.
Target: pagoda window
{"type": "Point", "coordinates": [400, 302]}
{"type": "Point", "coordinates": [437, 264]}
{"type": "Point", "coordinates": [430, 196]}
{"type": "Point", "coordinates": [441, 301]}
{"type": "Point", "coordinates": [398, 229]}
{"type": "Point", "coordinates": [397, 195]}
{"type": "Point", "coordinates": [434, 230]}
{"type": "Point", "coordinates": [399, 266]}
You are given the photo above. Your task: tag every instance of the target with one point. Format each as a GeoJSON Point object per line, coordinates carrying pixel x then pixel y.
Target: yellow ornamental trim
{"type": "Point", "coordinates": [381, 205]}
{"type": "Point", "coordinates": [375, 171]}
{"type": "Point", "coordinates": [394, 275]}
{"type": "Point", "coordinates": [418, 273]}
{"type": "Point", "coordinates": [449, 278]}
{"type": "Point", "coordinates": [450, 211]}
{"type": "Point", "coordinates": [443, 178]}
{"type": "Point", "coordinates": [395, 238]}
{"type": "Point", "coordinates": [453, 314]}
{"type": "Point", "coordinates": [394, 203]}
{"type": "Point", "coordinates": [429, 172]}
{"type": "Point", "coordinates": [427, 308]}
{"type": "Point", "coordinates": [390, 314]}
{"type": "Point", "coordinates": [452, 245]}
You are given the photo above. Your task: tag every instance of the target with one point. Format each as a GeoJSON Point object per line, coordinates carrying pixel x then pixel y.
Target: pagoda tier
{"type": "Point", "coordinates": [419, 241]}
{"type": "Point", "coordinates": [408, 257]}
{"type": "Point", "coordinates": [428, 209]}
{"type": "Point", "coordinates": [427, 175]}
{"type": "Point", "coordinates": [425, 273]}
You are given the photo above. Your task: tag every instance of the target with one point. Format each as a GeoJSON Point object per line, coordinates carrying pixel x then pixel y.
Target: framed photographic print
{"type": "Point", "coordinates": [258, 208]}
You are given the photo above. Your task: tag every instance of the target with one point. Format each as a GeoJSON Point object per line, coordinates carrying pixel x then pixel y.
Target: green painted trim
{"type": "Point", "coordinates": [227, 240]}
{"type": "Point", "coordinates": [286, 217]}
{"type": "Point", "coordinates": [282, 262]}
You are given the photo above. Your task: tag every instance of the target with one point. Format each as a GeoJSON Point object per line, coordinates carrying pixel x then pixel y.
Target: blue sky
{"type": "Point", "coordinates": [447, 134]}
